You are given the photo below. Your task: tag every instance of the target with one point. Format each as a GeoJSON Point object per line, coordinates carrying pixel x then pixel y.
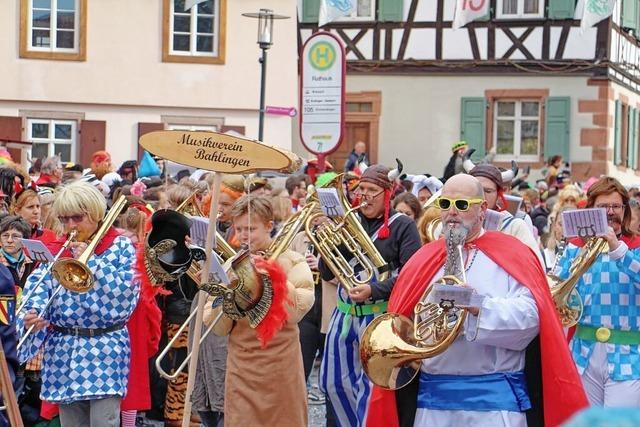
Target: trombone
{"type": "Point", "coordinates": [25, 298]}
{"type": "Point", "coordinates": [74, 274]}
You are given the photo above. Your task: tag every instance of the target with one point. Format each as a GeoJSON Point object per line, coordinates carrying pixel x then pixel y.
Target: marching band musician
{"type": "Point", "coordinates": [86, 361]}
{"type": "Point", "coordinates": [479, 379]}
{"type": "Point", "coordinates": [606, 344]}
{"type": "Point", "coordinates": [264, 382]}
{"type": "Point", "coordinates": [396, 238]}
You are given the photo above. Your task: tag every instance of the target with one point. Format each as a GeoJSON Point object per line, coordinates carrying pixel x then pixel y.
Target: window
{"type": "Point", "coordinates": [53, 29]}
{"type": "Point", "coordinates": [517, 130]}
{"type": "Point", "coordinates": [520, 9]}
{"type": "Point", "coordinates": [365, 10]}
{"type": "Point", "coordinates": [193, 128]}
{"type": "Point", "coordinates": [52, 137]}
{"type": "Point", "coordinates": [195, 35]}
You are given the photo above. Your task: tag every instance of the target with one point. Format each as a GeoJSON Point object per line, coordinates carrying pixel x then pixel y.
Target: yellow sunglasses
{"type": "Point", "coordinates": [461, 205]}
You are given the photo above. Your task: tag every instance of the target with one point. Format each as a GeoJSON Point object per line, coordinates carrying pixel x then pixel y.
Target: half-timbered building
{"type": "Point", "coordinates": [525, 82]}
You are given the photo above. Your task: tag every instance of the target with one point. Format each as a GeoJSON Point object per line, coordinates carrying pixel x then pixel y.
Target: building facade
{"type": "Point", "coordinates": [525, 82]}
{"type": "Point", "coordinates": [85, 75]}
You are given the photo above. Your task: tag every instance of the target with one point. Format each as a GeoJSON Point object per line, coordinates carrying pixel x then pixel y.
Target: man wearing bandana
{"type": "Point", "coordinates": [606, 342]}
{"type": "Point", "coordinates": [396, 238]}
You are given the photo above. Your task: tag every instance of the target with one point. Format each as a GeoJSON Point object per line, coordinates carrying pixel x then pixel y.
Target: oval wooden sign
{"type": "Point", "coordinates": [219, 152]}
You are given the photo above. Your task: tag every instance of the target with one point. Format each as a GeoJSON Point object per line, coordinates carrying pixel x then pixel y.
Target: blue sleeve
{"type": "Point", "coordinates": [628, 261]}
{"type": "Point", "coordinates": [37, 301]}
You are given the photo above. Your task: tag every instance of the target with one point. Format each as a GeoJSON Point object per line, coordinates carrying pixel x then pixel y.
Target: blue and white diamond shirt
{"type": "Point", "coordinates": [610, 291]}
{"type": "Point", "coordinates": [83, 368]}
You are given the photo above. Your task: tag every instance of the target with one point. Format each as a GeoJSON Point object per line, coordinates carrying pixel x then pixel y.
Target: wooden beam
{"type": "Point", "coordinates": [546, 35]}
{"type": "Point", "coordinates": [388, 43]}
{"type": "Point", "coordinates": [562, 43]}
{"type": "Point", "coordinates": [518, 43]}
{"type": "Point", "coordinates": [474, 43]}
{"type": "Point", "coordinates": [351, 44]}
{"type": "Point", "coordinates": [407, 29]}
{"type": "Point", "coordinates": [439, 26]}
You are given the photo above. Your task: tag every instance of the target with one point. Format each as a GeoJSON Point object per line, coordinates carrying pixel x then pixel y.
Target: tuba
{"type": "Point", "coordinates": [392, 345]}
{"type": "Point", "coordinates": [346, 232]}
{"type": "Point", "coordinates": [567, 300]}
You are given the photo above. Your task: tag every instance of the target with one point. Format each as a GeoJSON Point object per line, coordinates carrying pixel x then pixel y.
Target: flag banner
{"type": "Point", "coordinates": [330, 10]}
{"type": "Point", "coordinates": [188, 4]}
{"type": "Point", "coordinates": [594, 11]}
{"type": "Point", "coordinates": [469, 10]}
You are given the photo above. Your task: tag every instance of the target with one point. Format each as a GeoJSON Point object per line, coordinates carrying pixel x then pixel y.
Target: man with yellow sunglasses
{"type": "Point", "coordinates": [480, 377]}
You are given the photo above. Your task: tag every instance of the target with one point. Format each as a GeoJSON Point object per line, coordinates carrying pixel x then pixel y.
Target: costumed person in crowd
{"type": "Point", "coordinates": [313, 168]}
{"type": "Point", "coordinates": [454, 166]}
{"type": "Point", "coordinates": [48, 220]}
{"type": "Point", "coordinates": [554, 242]}
{"type": "Point", "coordinates": [606, 344]}
{"type": "Point", "coordinates": [259, 186]}
{"type": "Point", "coordinates": [264, 382]}
{"type": "Point", "coordinates": [358, 160]}
{"type": "Point", "coordinates": [168, 397]}
{"type": "Point", "coordinates": [27, 205]}
{"type": "Point", "coordinates": [409, 205]}
{"type": "Point", "coordinates": [231, 189]}
{"type": "Point", "coordinates": [493, 182]}
{"type": "Point", "coordinates": [396, 238]}
{"type": "Point", "coordinates": [129, 171]}
{"type": "Point", "coordinates": [296, 186]}
{"type": "Point", "coordinates": [101, 163]}
{"type": "Point", "coordinates": [8, 330]}
{"type": "Point", "coordinates": [424, 187]}
{"type": "Point", "coordinates": [144, 324]}
{"type": "Point", "coordinates": [484, 377]}
{"type": "Point", "coordinates": [12, 230]}
{"type": "Point", "coordinates": [553, 169]}
{"type": "Point", "coordinates": [50, 172]}
{"type": "Point", "coordinates": [86, 360]}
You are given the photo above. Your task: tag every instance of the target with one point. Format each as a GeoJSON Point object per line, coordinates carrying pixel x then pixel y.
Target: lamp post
{"type": "Point", "coordinates": [265, 40]}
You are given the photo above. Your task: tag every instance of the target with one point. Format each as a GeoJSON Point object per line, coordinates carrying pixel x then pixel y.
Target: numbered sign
{"type": "Point", "coordinates": [322, 93]}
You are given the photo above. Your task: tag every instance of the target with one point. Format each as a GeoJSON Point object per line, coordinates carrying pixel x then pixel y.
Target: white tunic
{"type": "Point", "coordinates": [508, 321]}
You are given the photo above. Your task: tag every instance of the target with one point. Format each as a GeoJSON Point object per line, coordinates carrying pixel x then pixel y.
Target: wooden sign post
{"type": "Point", "coordinates": [219, 153]}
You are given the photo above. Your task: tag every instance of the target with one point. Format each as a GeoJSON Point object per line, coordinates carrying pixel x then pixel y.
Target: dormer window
{"type": "Point", "coordinates": [520, 9]}
{"type": "Point", "coordinates": [365, 10]}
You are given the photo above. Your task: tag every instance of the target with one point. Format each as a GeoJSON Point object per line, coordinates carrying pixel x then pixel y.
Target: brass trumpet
{"type": "Point", "coordinates": [74, 274]}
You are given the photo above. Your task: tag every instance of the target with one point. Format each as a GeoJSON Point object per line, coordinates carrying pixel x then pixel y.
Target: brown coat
{"type": "Point", "coordinates": [267, 386]}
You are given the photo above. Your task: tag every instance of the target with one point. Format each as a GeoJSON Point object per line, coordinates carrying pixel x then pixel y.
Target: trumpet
{"type": "Point", "coordinates": [74, 274]}
{"type": "Point", "coordinates": [25, 298]}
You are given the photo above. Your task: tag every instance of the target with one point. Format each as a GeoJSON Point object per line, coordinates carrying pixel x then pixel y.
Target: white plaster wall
{"type": "Point", "coordinates": [626, 176]}
{"type": "Point", "coordinates": [420, 117]}
{"type": "Point", "coordinates": [124, 61]}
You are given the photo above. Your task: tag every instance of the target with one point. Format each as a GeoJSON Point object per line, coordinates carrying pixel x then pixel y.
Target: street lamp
{"type": "Point", "coordinates": [265, 40]}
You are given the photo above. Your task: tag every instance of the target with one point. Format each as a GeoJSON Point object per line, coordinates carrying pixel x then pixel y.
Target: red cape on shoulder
{"type": "Point", "coordinates": [562, 387]}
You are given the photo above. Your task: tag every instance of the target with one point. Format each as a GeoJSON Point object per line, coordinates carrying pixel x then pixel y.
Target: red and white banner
{"type": "Point", "coordinates": [469, 10]}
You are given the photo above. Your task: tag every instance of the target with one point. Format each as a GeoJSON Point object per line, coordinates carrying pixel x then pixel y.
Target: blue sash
{"type": "Point", "coordinates": [503, 391]}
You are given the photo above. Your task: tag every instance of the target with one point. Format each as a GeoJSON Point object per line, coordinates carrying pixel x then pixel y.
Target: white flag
{"type": "Point", "coordinates": [469, 10]}
{"type": "Point", "coordinates": [595, 11]}
{"type": "Point", "coordinates": [188, 4]}
{"type": "Point", "coordinates": [330, 10]}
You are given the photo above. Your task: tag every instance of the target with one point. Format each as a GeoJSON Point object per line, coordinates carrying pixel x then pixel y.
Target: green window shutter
{"type": "Point", "coordinates": [633, 136]}
{"type": "Point", "coordinates": [631, 130]}
{"type": "Point", "coordinates": [617, 139]}
{"type": "Point", "coordinates": [310, 11]}
{"type": "Point", "coordinates": [561, 9]}
{"type": "Point", "coordinates": [629, 13]}
{"type": "Point", "coordinates": [557, 127]}
{"type": "Point", "coordinates": [390, 10]}
{"type": "Point", "coordinates": [473, 123]}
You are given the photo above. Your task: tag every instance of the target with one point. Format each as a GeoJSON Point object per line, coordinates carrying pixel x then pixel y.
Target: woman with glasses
{"type": "Point", "coordinates": [86, 359]}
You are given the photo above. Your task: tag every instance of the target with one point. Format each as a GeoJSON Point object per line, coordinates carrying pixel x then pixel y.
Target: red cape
{"type": "Point", "coordinates": [562, 387]}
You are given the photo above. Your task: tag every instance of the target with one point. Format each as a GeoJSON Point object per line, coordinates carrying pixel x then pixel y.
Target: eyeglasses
{"type": "Point", "coordinates": [613, 206]}
{"type": "Point", "coordinates": [367, 195]}
{"type": "Point", "coordinates": [75, 218]}
{"type": "Point", "coordinates": [461, 205]}
{"type": "Point", "coordinates": [12, 236]}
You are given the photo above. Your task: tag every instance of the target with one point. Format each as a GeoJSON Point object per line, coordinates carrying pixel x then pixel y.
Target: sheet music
{"type": "Point", "coordinates": [330, 202]}
{"type": "Point", "coordinates": [492, 220]}
{"type": "Point", "coordinates": [36, 250]}
{"type": "Point", "coordinates": [584, 222]}
{"type": "Point", "coordinates": [198, 230]}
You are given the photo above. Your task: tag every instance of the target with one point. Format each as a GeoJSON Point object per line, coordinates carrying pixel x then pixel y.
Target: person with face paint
{"type": "Point", "coordinates": [606, 343]}
{"type": "Point", "coordinates": [496, 372]}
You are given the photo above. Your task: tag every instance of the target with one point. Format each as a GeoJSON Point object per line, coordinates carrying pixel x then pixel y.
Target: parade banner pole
{"type": "Point", "coordinates": [202, 298]}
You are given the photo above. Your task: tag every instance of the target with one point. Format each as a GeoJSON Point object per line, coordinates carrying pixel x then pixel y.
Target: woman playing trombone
{"type": "Point", "coordinates": [86, 360]}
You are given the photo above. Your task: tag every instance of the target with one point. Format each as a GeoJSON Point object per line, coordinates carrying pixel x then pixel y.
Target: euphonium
{"type": "Point", "coordinates": [392, 346]}
{"type": "Point", "coordinates": [568, 302]}
{"type": "Point", "coordinates": [346, 232]}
